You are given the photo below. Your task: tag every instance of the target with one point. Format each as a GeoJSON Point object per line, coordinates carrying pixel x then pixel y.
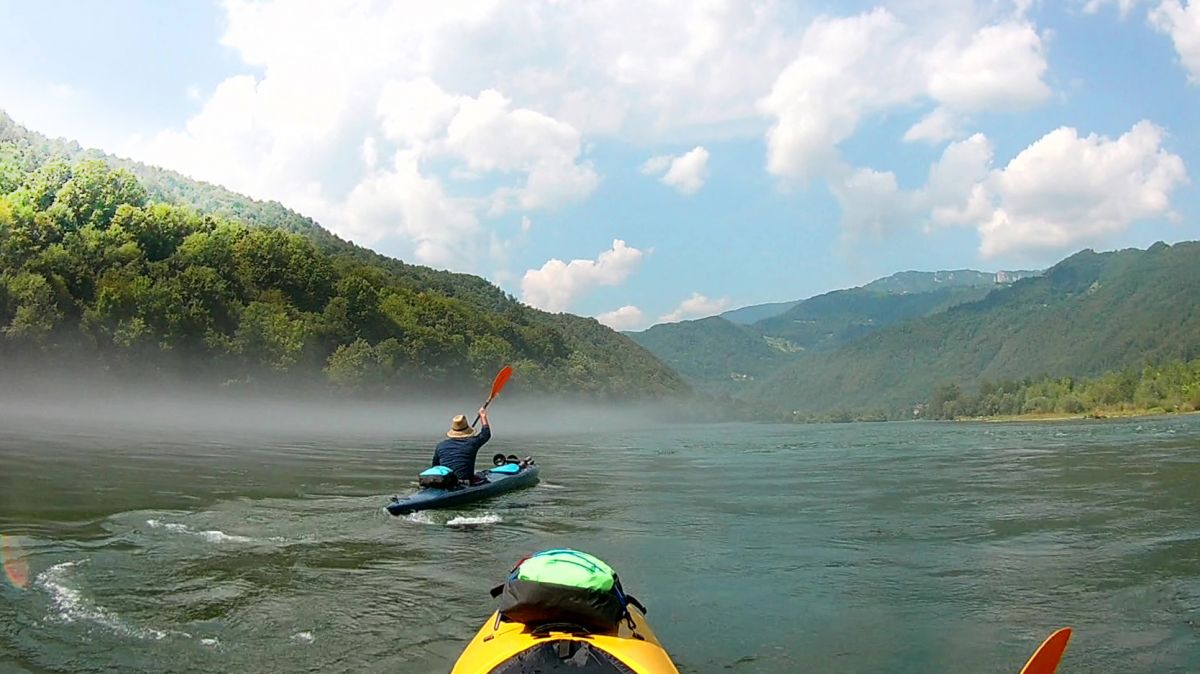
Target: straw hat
{"type": "Point", "coordinates": [459, 428]}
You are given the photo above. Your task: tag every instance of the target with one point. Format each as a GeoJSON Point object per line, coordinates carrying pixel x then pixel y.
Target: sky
{"type": "Point", "coordinates": [650, 161]}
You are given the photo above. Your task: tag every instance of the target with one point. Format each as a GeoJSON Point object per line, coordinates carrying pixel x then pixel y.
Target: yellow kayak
{"type": "Point", "coordinates": [503, 647]}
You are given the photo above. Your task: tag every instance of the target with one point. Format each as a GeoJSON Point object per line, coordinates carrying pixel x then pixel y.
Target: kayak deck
{"type": "Point", "coordinates": [497, 483]}
{"type": "Point", "coordinates": [507, 648]}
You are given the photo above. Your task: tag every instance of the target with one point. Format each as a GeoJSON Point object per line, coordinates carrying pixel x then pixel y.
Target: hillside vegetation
{"type": "Point", "coordinates": [123, 269]}
{"type": "Point", "coordinates": [713, 353]}
{"type": "Point", "coordinates": [719, 356]}
{"type": "Point", "coordinates": [1091, 314]}
{"type": "Point", "coordinates": [1169, 387]}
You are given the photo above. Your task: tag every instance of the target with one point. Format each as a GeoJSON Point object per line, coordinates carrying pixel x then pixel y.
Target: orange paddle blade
{"type": "Point", "coordinates": [500, 380]}
{"type": "Point", "coordinates": [1045, 658]}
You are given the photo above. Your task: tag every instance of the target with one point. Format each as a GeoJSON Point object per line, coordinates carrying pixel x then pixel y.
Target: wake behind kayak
{"type": "Point", "coordinates": [509, 475]}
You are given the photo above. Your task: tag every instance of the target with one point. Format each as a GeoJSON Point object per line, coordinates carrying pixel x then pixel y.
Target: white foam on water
{"type": "Point", "coordinates": [211, 642]}
{"type": "Point", "coordinates": [461, 521]}
{"type": "Point", "coordinates": [215, 536]}
{"type": "Point", "coordinates": [419, 517]}
{"type": "Point", "coordinates": [212, 535]}
{"type": "Point", "coordinates": [303, 637]}
{"type": "Point", "coordinates": [549, 485]}
{"type": "Point", "coordinates": [71, 606]}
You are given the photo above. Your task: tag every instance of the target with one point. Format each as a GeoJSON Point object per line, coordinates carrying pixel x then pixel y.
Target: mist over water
{"type": "Point", "coordinates": [182, 532]}
{"type": "Point", "coordinates": [169, 410]}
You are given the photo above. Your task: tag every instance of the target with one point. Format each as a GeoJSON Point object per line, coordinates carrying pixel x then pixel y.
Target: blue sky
{"type": "Point", "coordinates": [650, 161]}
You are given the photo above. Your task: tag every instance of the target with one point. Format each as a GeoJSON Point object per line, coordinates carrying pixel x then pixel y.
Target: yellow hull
{"type": "Point", "coordinates": [636, 648]}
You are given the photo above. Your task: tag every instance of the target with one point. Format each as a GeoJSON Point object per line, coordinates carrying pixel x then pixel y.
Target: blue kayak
{"type": "Point", "coordinates": [499, 480]}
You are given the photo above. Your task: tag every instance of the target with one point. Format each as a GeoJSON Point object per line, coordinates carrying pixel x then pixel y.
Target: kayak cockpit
{"type": "Point", "coordinates": [504, 477]}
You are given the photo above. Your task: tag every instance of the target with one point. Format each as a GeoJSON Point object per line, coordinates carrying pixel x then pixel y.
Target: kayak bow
{"type": "Point", "coordinates": [503, 647]}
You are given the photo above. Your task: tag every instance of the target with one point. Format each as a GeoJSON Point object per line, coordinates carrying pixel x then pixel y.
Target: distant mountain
{"type": "Point", "coordinates": [896, 284]}
{"type": "Point", "coordinates": [713, 353]}
{"type": "Point", "coordinates": [1090, 314]}
{"type": "Point", "coordinates": [720, 356]}
{"type": "Point", "coordinates": [836, 318]}
{"type": "Point", "coordinates": [126, 268]}
{"type": "Point", "coordinates": [925, 281]}
{"type": "Point", "coordinates": [758, 312]}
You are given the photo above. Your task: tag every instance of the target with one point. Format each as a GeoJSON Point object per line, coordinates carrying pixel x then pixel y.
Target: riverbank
{"type": "Point", "coordinates": [1093, 414]}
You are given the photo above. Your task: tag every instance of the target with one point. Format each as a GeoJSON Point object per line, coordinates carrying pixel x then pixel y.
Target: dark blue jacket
{"type": "Point", "coordinates": [458, 454]}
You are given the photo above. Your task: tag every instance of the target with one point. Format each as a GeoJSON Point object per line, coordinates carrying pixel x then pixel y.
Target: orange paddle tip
{"type": "Point", "coordinates": [1046, 658]}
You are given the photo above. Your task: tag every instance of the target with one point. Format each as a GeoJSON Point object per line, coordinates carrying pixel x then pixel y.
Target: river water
{"type": "Point", "coordinates": [899, 547]}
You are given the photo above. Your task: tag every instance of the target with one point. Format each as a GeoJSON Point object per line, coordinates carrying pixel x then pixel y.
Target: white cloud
{"type": "Point", "coordinates": [852, 67]}
{"type": "Point", "coordinates": [370, 152]}
{"type": "Point", "coordinates": [846, 68]}
{"type": "Point", "coordinates": [558, 284]}
{"type": "Point", "coordinates": [872, 203]}
{"type": "Point", "coordinates": [687, 173]}
{"type": "Point", "coordinates": [657, 164]}
{"type": "Point", "coordinates": [415, 111]}
{"type": "Point", "coordinates": [1124, 6]}
{"type": "Point", "coordinates": [627, 317]}
{"type": "Point", "coordinates": [954, 191]}
{"type": "Point", "coordinates": [1065, 191]}
{"type": "Point", "coordinates": [449, 145]}
{"type": "Point", "coordinates": [1182, 23]}
{"type": "Point", "coordinates": [233, 141]}
{"type": "Point", "coordinates": [936, 127]}
{"type": "Point", "coordinates": [574, 70]}
{"type": "Point", "coordinates": [1062, 192]}
{"type": "Point", "coordinates": [490, 137]}
{"type": "Point", "coordinates": [444, 231]}
{"type": "Point", "coordinates": [351, 77]}
{"type": "Point", "coordinates": [999, 67]}
{"type": "Point", "coordinates": [696, 306]}
{"type": "Point", "coordinates": [654, 70]}
{"type": "Point", "coordinates": [243, 138]}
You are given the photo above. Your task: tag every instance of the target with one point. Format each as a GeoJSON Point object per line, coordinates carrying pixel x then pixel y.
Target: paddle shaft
{"type": "Point", "coordinates": [485, 405]}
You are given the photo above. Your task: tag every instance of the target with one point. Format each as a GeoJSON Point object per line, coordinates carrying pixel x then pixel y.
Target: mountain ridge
{"type": "Point", "coordinates": [1089, 314]}
{"type": "Point", "coordinates": [823, 322]}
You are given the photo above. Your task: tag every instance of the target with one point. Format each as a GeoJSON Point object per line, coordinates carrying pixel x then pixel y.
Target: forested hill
{"type": "Point", "coordinates": [1090, 314]}
{"type": "Point", "coordinates": [719, 356]}
{"type": "Point", "coordinates": [122, 268]}
{"type": "Point", "coordinates": [714, 354]}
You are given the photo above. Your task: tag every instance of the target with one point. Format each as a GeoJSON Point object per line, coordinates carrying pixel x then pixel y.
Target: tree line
{"type": "Point", "coordinates": [90, 264]}
{"type": "Point", "coordinates": [1169, 387]}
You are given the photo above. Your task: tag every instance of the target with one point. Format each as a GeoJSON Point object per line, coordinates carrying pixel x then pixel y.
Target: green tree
{"type": "Point", "coordinates": [943, 394]}
{"type": "Point", "coordinates": [273, 259]}
{"type": "Point", "coordinates": [354, 366]}
{"type": "Point", "coordinates": [267, 336]}
{"type": "Point", "coordinates": [93, 193]}
{"type": "Point", "coordinates": [158, 229]}
{"type": "Point", "coordinates": [34, 313]}
{"type": "Point", "coordinates": [11, 176]}
{"type": "Point", "coordinates": [487, 354]}
{"type": "Point", "coordinates": [41, 187]}
{"type": "Point", "coordinates": [211, 248]}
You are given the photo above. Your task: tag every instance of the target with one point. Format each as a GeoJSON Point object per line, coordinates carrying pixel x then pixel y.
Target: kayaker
{"type": "Point", "coordinates": [457, 452]}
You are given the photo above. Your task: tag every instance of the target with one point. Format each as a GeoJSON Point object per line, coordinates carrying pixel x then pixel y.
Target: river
{"type": "Point", "coordinates": [891, 547]}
